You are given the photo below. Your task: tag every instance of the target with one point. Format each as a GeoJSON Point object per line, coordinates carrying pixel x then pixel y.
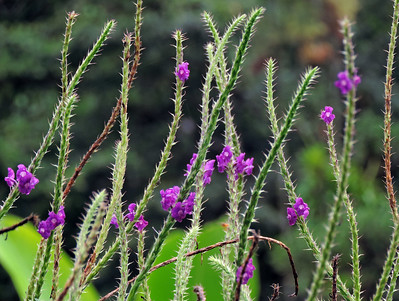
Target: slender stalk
{"type": "Point", "coordinates": [308, 78]}
{"type": "Point", "coordinates": [392, 280]}
{"type": "Point", "coordinates": [342, 181]}
{"type": "Point", "coordinates": [388, 113]}
{"type": "Point", "coordinates": [123, 237]}
{"type": "Point", "coordinates": [35, 271]}
{"type": "Point", "coordinates": [141, 262]}
{"type": "Point", "coordinates": [388, 265]}
{"type": "Point", "coordinates": [94, 219]}
{"type": "Point", "coordinates": [155, 249]}
{"type": "Point", "coordinates": [148, 192]}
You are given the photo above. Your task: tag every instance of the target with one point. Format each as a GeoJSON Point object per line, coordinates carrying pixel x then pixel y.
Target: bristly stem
{"type": "Point", "coordinates": [57, 199]}
{"type": "Point", "coordinates": [148, 192]}
{"type": "Point", "coordinates": [392, 280]}
{"type": "Point", "coordinates": [59, 183]}
{"type": "Point", "coordinates": [388, 114]}
{"type": "Point", "coordinates": [305, 84]}
{"type": "Point", "coordinates": [169, 223]}
{"type": "Point", "coordinates": [213, 119]}
{"type": "Point", "coordinates": [48, 139]}
{"type": "Point", "coordinates": [93, 219]}
{"type": "Point", "coordinates": [115, 113]}
{"type": "Point", "coordinates": [71, 18]}
{"type": "Point", "coordinates": [389, 261]}
{"type": "Point", "coordinates": [124, 133]}
{"type": "Point", "coordinates": [153, 254]}
{"type": "Point", "coordinates": [235, 187]}
{"type": "Point", "coordinates": [342, 181]}
{"type": "Point", "coordinates": [388, 265]}
{"type": "Point", "coordinates": [140, 263]}
{"type": "Point", "coordinates": [35, 271]}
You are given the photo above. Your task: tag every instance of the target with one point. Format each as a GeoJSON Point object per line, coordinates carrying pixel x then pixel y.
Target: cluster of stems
{"type": "Point", "coordinates": [236, 253]}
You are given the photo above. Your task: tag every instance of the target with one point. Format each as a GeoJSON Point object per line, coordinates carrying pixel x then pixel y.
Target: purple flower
{"type": "Point", "coordinates": [207, 166]}
{"type": "Point", "coordinates": [141, 223]}
{"type": "Point", "coordinates": [26, 181]}
{"type": "Point", "coordinates": [345, 83]}
{"type": "Point", "coordinates": [291, 216]}
{"type": "Point", "coordinates": [114, 221]}
{"type": "Point", "coordinates": [178, 212]}
{"type": "Point", "coordinates": [61, 213]}
{"type": "Point", "coordinates": [169, 197]}
{"type": "Point", "coordinates": [192, 160]}
{"type": "Point", "coordinates": [182, 209]}
{"type": "Point", "coordinates": [242, 165]}
{"type": "Point", "coordinates": [44, 229]}
{"type": "Point", "coordinates": [189, 203]}
{"type": "Point", "coordinates": [224, 158]}
{"type": "Point", "coordinates": [248, 274]}
{"type": "Point", "coordinates": [208, 170]}
{"type": "Point", "coordinates": [132, 212]}
{"type": "Point", "coordinates": [302, 209]}
{"type": "Point", "coordinates": [182, 71]}
{"type": "Point", "coordinates": [53, 221]}
{"type": "Point", "coordinates": [356, 80]}
{"type": "Point", "coordinates": [10, 179]}
{"type": "Point", "coordinates": [326, 115]}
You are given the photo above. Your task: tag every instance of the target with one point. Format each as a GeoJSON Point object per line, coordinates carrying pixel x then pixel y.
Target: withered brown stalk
{"type": "Point", "coordinates": [32, 217]}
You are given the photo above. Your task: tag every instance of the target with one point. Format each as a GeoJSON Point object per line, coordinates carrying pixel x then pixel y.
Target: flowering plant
{"type": "Point", "coordinates": [184, 202]}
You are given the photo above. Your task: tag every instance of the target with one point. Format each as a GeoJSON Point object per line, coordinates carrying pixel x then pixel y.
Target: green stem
{"type": "Point", "coordinates": [260, 180]}
{"type": "Point", "coordinates": [156, 248]}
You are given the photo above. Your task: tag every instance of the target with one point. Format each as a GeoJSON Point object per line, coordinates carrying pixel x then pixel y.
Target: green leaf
{"type": "Point", "coordinates": [161, 281]}
{"type": "Point", "coordinates": [17, 253]}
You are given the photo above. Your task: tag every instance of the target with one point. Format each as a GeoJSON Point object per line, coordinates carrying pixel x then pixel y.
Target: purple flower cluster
{"type": "Point", "coordinates": [182, 71]}
{"type": "Point", "coordinates": [140, 224]}
{"type": "Point", "coordinates": [179, 209]}
{"type": "Point", "coordinates": [327, 115]}
{"type": "Point", "coordinates": [169, 197]}
{"type": "Point", "coordinates": [182, 209]}
{"type": "Point", "coordinates": [208, 167]}
{"type": "Point", "coordinates": [300, 209]}
{"type": "Point", "coordinates": [224, 158]}
{"type": "Point", "coordinates": [25, 180]}
{"type": "Point", "coordinates": [248, 273]}
{"type": "Point", "coordinates": [240, 165]}
{"type": "Point", "coordinates": [53, 221]}
{"type": "Point", "coordinates": [345, 83]}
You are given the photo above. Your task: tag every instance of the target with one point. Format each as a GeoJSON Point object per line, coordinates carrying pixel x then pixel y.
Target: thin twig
{"type": "Point", "coordinates": [33, 218]}
{"type": "Point", "coordinates": [218, 245]}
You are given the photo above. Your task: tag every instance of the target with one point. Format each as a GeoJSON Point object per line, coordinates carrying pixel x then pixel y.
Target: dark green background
{"type": "Point", "coordinates": [296, 33]}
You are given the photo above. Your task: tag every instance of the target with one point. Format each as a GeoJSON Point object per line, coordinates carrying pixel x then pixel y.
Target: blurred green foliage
{"type": "Point", "coordinates": [296, 33]}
